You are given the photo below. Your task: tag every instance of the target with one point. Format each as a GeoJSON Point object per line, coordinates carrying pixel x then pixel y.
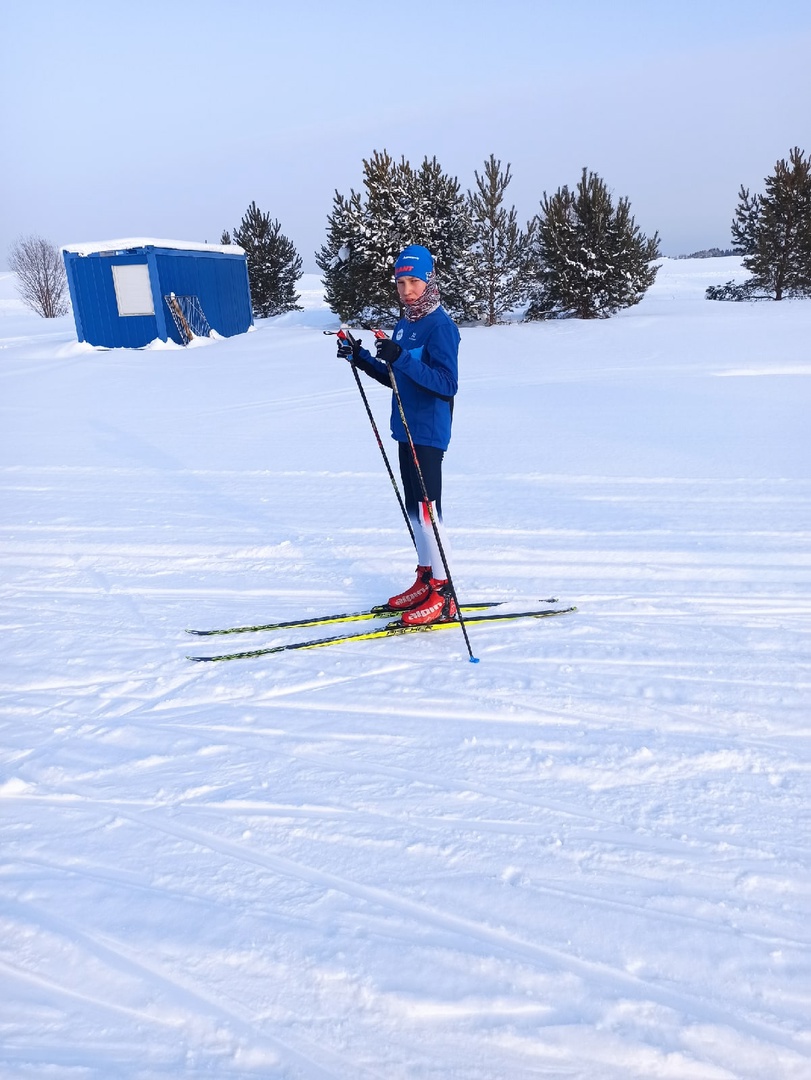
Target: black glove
{"type": "Point", "coordinates": [387, 350]}
{"type": "Point", "coordinates": [349, 350]}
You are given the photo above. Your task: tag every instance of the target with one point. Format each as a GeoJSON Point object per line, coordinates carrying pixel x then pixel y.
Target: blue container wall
{"type": "Point", "coordinates": [219, 281]}
{"type": "Point", "coordinates": [95, 306]}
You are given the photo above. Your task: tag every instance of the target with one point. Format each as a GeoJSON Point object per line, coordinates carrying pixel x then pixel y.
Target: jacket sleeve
{"type": "Point", "coordinates": [434, 367]}
{"type": "Point", "coordinates": [373, 367]}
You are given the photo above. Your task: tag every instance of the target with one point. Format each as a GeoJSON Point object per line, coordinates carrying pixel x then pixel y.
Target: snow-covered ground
{"type": "Point", "coordinates": [586, 857]}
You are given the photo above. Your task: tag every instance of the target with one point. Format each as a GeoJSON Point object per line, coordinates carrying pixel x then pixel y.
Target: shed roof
{"type": "Point", "coordinates": [97, 247]}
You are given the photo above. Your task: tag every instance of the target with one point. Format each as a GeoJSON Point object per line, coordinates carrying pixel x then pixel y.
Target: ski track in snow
{"type": "Point", "coordinates": [586, 857]}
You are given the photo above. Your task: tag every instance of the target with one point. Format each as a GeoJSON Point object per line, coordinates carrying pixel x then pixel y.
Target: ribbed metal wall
{"type": "Point", "coordinates": [218, 280]}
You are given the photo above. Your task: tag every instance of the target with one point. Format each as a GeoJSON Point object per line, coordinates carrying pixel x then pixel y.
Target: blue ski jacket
{"type": "Point", "coordinates": [427, 377]}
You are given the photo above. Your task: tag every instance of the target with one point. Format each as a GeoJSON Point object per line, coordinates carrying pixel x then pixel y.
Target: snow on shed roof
{"type": "Point", "coordinates": [97, 246]}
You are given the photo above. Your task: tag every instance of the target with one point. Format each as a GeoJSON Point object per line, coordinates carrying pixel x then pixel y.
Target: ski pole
{"type": "Point", "coordinates": [344, 335]}
{"type": "Point", "coordinates": [473, 659]}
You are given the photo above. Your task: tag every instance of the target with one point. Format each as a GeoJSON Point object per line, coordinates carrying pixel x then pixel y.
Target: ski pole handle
{"type": "Point", "coordinates": [342, 335]}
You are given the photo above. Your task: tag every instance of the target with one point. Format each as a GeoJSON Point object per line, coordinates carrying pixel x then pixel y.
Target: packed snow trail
{"type": "Point", "coordinates": [588, 856]}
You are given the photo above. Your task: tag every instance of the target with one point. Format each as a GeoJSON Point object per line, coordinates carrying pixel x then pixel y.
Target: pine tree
{"type": "Point", "coordinates": [773, 231]}
{"type": "Point", "coordinates": [441, 221]}
{"type": "Point", "coordinates": [745, 225]}
{"type": "Point", "coordinates": [356, 260]}
{"type": "Point", "coordinates": [503, 248]}
{"type": "Point", "coordinates": [346, 272]}
{"type": "Point", "coordinates": [590, 259]}
{"type": "Point", "coordinates": [402, 206]}
{"type": "Point", "coordinates": [378, 240]}
{"type": "Point", "coordinates": [274, 267]}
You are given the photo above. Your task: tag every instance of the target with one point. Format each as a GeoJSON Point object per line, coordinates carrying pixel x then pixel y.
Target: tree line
{"type": "Point", "coordinates": [582, 255]}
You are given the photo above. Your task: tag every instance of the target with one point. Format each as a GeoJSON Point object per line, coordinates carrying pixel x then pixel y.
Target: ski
{"type": "Point", "coordinates": [392, 629]}
{"type": "Point", "coordinates": [378, 612]}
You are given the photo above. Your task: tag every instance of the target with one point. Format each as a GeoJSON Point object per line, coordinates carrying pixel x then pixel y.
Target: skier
{"type": "Point", "coordinates": [422, 352]}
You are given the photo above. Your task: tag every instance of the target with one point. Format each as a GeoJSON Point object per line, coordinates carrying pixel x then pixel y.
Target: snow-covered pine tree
{"type": "Point", "coordinates": [590, 260]}
{"type": "Point", "coordinates": [274, 267]}
{"type": "Point", "coordinates": [502, 246]}
{"type": "Point", "coordinates": [345, 271]}
{"type": "Point", "coordinates": [386, 216]}
{"type": "Point", "coordinates": [417, 206]}
{"type": "Point", "coordinates": [402, 206]}
{"type": "Point", "coordinates": [773, 231]}
{"type": "Point", "coordinates": [362, 237]}
{"type": "Point", "coordinates": [441, 220]}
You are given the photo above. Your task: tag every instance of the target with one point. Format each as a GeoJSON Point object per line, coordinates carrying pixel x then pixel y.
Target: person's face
{"type": "Point", "coordinates": [410, 289]}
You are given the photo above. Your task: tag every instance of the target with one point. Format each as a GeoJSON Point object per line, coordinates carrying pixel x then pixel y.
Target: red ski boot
{"type": "Point", "coordinates": [439, 606]}
{"type": "Point", "coordinates": [414, 596]}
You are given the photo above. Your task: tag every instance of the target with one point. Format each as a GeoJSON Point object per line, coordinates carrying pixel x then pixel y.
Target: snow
{"type": "Point", "coordinates": [93, 247]}
{"type": "Point", "coordinates": [586, 857]}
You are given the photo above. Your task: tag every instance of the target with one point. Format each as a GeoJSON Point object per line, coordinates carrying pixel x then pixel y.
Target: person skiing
{"type": "Point", "coordinates": [423, 354]}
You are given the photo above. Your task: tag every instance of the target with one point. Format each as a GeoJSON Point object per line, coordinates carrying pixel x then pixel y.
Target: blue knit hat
{"type": "Point", "coordinates": [415, 261]}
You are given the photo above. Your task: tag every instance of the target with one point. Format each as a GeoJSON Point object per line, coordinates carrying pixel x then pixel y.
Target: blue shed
{"type": "Point", "coordinates": [126, 293]}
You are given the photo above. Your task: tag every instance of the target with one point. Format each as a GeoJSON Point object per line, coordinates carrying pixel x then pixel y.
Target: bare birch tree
{"type": "Point", "coordinates": [41, 279]}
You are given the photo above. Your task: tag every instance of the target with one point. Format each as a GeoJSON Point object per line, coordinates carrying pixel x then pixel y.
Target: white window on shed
{"type": "Point", "coordinates": [133, 291]}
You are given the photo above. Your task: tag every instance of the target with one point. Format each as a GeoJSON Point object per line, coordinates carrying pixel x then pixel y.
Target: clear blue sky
{"type": "Point", "coordinates": [165, 119]}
